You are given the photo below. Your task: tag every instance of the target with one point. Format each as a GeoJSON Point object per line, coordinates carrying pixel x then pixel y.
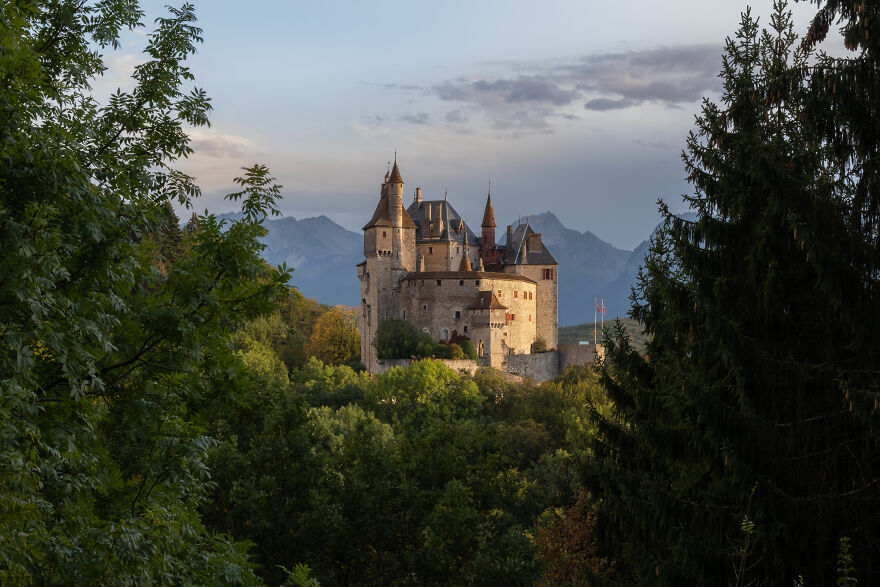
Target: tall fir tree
{"type": "Point", "coordinates": [744, 443]}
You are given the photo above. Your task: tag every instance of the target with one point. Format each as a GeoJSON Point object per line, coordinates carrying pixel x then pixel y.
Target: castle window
{"type": "Point", "coordinates": [477, 282]}
{"type": "Point", "coordinates": [457, 250]}
{"type": "Point", "coordinates": [404, 314]}
{"type": "Point", "coordinates": [461, 282]}
{"type": "Point", "coordinates": [515, 294]}
{"type": "Point", "coordinates": [465, 327]}
{"type": "Point", "coordinates": [499, 293]}
{"type": "Point", "coordinates": [438, 282]}
{"type": "Point", "coordinates": [458, 315]}
{"type": "Point", "coordinates": [383, 234]}
{"type": "Point", "coordinates": [530, 317]}
{"type": "Point", "coordinates": [430, 250]}
{"type": "Point", "coordinates": [547, 273]}
{"type": "Point", "coordinates": [512, 317]}
{"type": "Point", "coordinates": [424, 306]}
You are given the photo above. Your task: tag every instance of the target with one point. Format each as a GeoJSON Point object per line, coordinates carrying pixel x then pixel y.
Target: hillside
{"type": "Point", "coordinates": [575, 334]}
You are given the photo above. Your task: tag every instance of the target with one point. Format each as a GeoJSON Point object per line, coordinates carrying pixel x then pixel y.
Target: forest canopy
{"type": "Point", "coordinates": [172, 412]}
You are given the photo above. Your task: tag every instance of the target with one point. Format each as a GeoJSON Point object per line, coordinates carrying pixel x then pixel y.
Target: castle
{"type": "Point", "coordinates": [424, 264]}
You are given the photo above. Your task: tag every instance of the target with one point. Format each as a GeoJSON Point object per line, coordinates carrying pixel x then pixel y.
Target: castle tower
{"type": "Point", "coordinates": [390, 250]}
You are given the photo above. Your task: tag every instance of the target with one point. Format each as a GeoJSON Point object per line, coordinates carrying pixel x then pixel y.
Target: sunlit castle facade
{"type": "Point", "coordinates": [423, 264]}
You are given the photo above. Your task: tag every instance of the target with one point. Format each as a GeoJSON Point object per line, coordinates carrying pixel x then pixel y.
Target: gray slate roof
{"type": "Point", "coordinates": [448, 223]}
{"type": "Point", "coordinates": [518, 251]}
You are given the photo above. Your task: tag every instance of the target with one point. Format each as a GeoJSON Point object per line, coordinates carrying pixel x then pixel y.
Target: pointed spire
{"type": "Point", "coordinates": [395, 172]}
{"type": "Point", "coordinates": [465, 258]}
{"type": "Point", "coordinates": [489, 214]}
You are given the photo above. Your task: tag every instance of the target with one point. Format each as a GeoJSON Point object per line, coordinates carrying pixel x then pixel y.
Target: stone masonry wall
{"type": "Point", "coordinates": [577, 354]}
{"type": "Point", "coordinates": [539, 366]}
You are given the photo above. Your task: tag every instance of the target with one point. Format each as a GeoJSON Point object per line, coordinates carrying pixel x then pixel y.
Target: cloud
{"type": "Point", "coordinates": [531, 101]}
{"type": "Point", "coordinates": [668, 75]}
{"type": "Point", "coordinates": [419, 118]}
{"type": "Point", "coordinates": [210, 143]}
{"type": "Point", "coordinates": [455, 117]}
{"type": "Point", "coordinates": [605, 104]}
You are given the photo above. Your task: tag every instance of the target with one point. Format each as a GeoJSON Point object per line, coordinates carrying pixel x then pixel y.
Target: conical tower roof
{"type": "Point", "coordinates": [489, 214]}
{"type": "Point", "coordinates": [465, 258]}
{"type": "Point", "coordinates": [395, 173]}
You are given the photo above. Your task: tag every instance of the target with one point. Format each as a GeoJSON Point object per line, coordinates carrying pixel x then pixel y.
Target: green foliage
{"type": "Point", "coordinates": [539, 346]}
{"type": "Point", "coordinates": [398, 339]}
{"type": "Point", "coordinates": [846, 569]}
{"type": "Point", "coordinates": [335, 337]}
{"type": "Point", "coordinates": [419, 475]}
{"type": "Point", "coordinates": [469, 350]}
{"type": "Point", "coordinates": [746, 427]}
{"type": "Point", "coordinates": [113, 326]}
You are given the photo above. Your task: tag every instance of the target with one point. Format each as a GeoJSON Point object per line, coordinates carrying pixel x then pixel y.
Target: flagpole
{"type": "Point", "coordinates": [595, 318]}
{"type": "Point", "coordinates": [603, 314]}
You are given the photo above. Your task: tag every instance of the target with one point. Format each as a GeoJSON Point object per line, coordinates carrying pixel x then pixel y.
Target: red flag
{"type": "Point", "coordinates": [597, 307]}
{"type": "Point", "coordinates": [603, 309]}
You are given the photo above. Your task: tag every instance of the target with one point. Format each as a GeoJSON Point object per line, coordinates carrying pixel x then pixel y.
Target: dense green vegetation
{"type": "Point", "coordinates": [163, 419]}
{"type": "Point", "coordinates": [743, 447]}
{"type": "Point", "coordinates": [418, 476]}
{"type": "Point", "coordinates": [398, 339]}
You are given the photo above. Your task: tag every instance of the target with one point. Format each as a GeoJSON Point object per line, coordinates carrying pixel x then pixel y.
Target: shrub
{"type": "Point", "coordinates": [470, 351]}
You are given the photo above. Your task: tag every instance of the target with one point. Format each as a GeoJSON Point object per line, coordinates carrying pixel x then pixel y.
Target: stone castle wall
{"type": "Point", "coordinates": [538, 366]}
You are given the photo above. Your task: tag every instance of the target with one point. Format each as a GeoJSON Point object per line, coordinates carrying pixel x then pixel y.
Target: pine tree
{"type": "Point", "coordinates": [745, 441]}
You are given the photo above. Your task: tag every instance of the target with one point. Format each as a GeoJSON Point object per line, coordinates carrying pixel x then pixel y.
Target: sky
{"type": "Point", "coordinates": [576, 107]}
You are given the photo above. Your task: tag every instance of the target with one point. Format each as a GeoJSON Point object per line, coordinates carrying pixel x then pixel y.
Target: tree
{"type": "Point", "coordinates": [744, 444]}
{"type": "Point", "coordinates": [397, 339]}
{"type": "Point", "coordinates": [335, 337]}
{"type": "Point", "coordinates": [109, 363]}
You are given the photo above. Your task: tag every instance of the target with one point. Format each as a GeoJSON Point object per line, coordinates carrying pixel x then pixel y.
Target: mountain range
{"type": "Point", "coordinates": [324, 254]}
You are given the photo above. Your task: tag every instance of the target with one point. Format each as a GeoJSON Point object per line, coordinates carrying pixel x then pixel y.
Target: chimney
{"type": "Point", "coordinates": [420, 267]}
{"type": "Point", "coordinates": [509, 236]}
{"type": "Point", "coordinates": [534, 243]}
{"type": "Point", "coordinates": [418, 198]}
{"type": "Point", "coordinates": [480, 266]}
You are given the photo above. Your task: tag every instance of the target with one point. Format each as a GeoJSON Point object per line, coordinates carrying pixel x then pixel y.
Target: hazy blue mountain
{"type": "Point", "coordinates": [322, 254]}
{"type": "Point", "coordinates": [617, 292]}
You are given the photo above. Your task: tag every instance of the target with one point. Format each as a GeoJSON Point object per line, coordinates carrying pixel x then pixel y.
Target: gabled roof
{"type": "Point", "coordinates": [451, 226]}
{"type": "Point", "coordinates": [486, 300]}
{"type": "Point", "coordinates": [517, 251]}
